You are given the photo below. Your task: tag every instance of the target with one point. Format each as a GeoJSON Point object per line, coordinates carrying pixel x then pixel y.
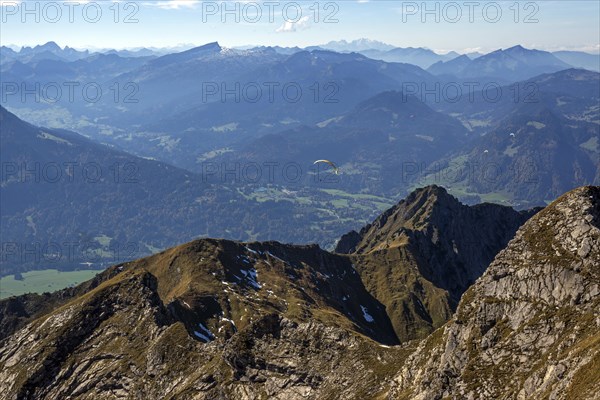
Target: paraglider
{"type": "Point", "coordinates": [336, 170]}
{"type": "Point", "coordinates": [512, 134]}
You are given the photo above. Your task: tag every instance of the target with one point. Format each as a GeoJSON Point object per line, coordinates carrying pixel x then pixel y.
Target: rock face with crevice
{"type": "Point", "coordinates": [529, 328]}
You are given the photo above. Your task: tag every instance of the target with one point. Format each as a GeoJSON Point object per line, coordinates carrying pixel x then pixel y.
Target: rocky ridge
{"type": "Point", "coordinates": [214, 319]}
{"type": "Point", "coordinates": [529, 328]}
{"type": "Point", "coordinates": [420, 256]}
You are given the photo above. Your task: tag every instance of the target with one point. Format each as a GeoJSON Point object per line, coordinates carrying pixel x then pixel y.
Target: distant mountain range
{"type": "Point", "coordinates": [419, 56]}
{"type": "Point", "coordinates": [533, 149]}
{"type": "Point", "coordinates": [173, 118]}
{"type": "Point", "coordinates": [378, 144]}
{"type": "Point", "coordinates": [512, 64]}
{"type": "Point", "coordinates": [58, 187]}
{"type": "Point", "coordinates": [580, 59]}
{"type": "Point", "coordinates": [342, 81]}
{"type": "Point", "coordinates": [424, 58]}
{"type": "Point", "coordinates": [357, 46]}
{"type": "Point", "coordinates": [355, 110]}
{"type": "Point", "coordinates": [48, 51]}
{"type": "Point", "coordinates": [62, 194]}
{"type": "Point", "coordinates": [52, 51]}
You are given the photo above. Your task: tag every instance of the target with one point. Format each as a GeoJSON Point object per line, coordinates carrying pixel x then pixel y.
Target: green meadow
{"type": "Point", "coordinates": [48, 280]}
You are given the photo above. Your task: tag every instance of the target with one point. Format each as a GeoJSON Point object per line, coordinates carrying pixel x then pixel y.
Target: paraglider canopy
{"type": "Point", "coordinates": [336, 170]}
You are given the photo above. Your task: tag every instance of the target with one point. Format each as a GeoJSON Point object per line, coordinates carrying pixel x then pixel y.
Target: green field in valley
{"type": "Point", "coordinates": [48, 280]}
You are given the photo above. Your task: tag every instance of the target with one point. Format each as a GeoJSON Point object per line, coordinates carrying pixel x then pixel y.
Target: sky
{"type": "Point", "coordinates": [462, 26]}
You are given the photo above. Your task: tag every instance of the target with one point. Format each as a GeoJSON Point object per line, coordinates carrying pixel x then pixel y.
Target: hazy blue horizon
{"type": "Point", "coordinates": [186, 46]}
{"type": "Point", "coordinates": [440, 26]}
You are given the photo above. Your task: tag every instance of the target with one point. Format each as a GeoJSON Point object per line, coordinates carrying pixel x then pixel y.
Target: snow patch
{"type": "Point", "coordinates": [47, 136]}
{"type": "Point", "coordinates": [201, 336]}
{"type": "Point", "coordinates": [251, 251]}
{"type": "Point", "coordinates": [205, 335]}
{"type": "Point", "coordinates": [230, 321]}
{"type": "Point", "coordinates": [252, 277]}
{"type": "Point", "coordinates": [277, 258]}
{"type": "Point", "coordinates": [366, 314]}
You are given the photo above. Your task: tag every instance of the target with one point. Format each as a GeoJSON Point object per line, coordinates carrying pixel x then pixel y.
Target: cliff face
{"type": "Point", "coordinates": [529, 328]}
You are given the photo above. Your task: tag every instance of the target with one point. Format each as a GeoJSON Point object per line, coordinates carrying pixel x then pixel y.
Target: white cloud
{"type": "Point", "coordinates": [289, 26]}
{"type": "Point", "coordinates": [173, 4]}
{"type": "Point", "coordinates": [472, 50]}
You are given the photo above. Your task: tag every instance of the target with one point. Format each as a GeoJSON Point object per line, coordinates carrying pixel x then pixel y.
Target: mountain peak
{"type": "Point", "coordinates": [516, 48]}
{"type": "Point", "coordinates": [195, 53]}
{"type": "Point", "coordinates": [357, 45]}
{"type": "Point", "coordinates": [461, 57]}
{"type": "Point", "coordinates": [431, 237]}
{"type": "Point", "coordinates": [213, 46]}
{"type": "Point", "coordinates": [436, 227]}
{"type": "Point", "coordinates": [433, 191]}
{"type": "Point", "coordinates": [390, 222]}
{"type": "Point", "coordinates": [50, 46]}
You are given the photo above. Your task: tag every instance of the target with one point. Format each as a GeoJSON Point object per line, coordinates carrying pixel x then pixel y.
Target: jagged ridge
{"type": "Point", "coordinates": [528, 328]}
{"type": "Point", "coordinates": [282, 321]}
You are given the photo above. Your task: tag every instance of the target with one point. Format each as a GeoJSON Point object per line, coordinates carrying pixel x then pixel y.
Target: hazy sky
{"type": "Point", "coordinates": [442, 26]}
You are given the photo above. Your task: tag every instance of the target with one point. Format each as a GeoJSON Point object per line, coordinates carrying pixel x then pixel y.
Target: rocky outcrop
{"type": "Point", "coordinates": [529, 328]}
{"type": "Point", "coordinates": [348, 242]}
{"type": "Point", "coordinates": [452, 243]}
{"type": "Point", "coordinates": [420, 256]}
